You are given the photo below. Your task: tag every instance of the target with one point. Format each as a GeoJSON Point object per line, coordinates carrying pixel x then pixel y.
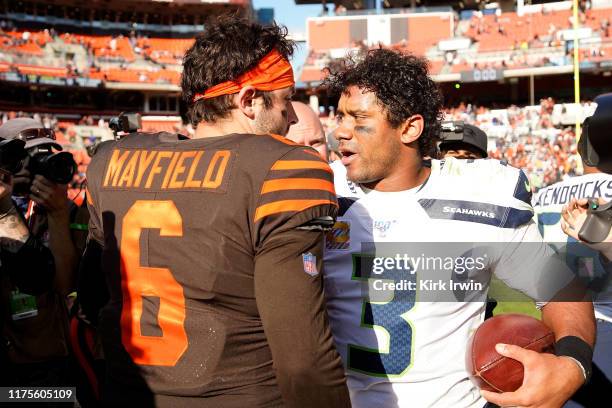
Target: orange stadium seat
{"type": "Point", "coordinates": [422, 32]}
{"type": "Point", "coordinates": [132, 75]}
{"type": "Point", "coordinates": [25, 48]}
{"type": "Point", "coordinates": [462, 66]}
{"type": "Point", "coordinates": [39, 37]}
{"type": "Point", "coordinates": [40, 70]}
{"type": "Point", "coordinates": [312, 74]}
{"type": "Point", "coordinates": [596, 17]}
{"type": "Point", "coordinates": [165, 50]}
{"type": "Point", "coordinates": [516, 29]}
{"type": "Point", "coordinates": [426, 32]}
{"type": "Point", "coordinates": [101, 46]}
{"type": "Point", "coordinates": [435, 66]}
{"type": "Point", "coordinates": [13, 41]}
{"type": "Point", "coordinates": [159, 125]}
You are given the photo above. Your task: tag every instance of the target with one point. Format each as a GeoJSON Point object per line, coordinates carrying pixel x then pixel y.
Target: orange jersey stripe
{"type": "Point", "coordinates": [297, 184]}
{"type": "Point", "coordinates": [301, 165]}
{"type": "Point", "coordinates": [282, 139]}
{"type": "Point", "coordinates": [315, 154]}
{"type": "Point", "coordinates": [288, 205]}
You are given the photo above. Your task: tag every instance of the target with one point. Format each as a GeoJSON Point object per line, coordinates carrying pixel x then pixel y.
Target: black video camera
{"type": "Point", "coordinates": [457, 134]}
{"type": "Point", "coordinates": [595, 151]}
{"type": "Point", "coordinates": [452, 131]}
{"type": "Point", "coordinates": [598, 222]}
{"type": "Point", "coordinates": [58, 167]}
{"type": "Point", "coordinates": [125, 123]}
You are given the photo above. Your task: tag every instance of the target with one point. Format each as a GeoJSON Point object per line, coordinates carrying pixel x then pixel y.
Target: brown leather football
{"type": "Point", "coordinates": [493, 372]}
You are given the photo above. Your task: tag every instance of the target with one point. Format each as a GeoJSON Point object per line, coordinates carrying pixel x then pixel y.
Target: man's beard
{"type": "Point", "coordinates": [266, 123]}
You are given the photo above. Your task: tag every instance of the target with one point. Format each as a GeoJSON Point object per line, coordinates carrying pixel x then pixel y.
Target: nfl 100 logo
{"type": "Point", "coordinates": [310, 264]}
{"type": "Point", "coordinates": [381, 227]}
{"type": "Point", "coordinates": [339, 237]}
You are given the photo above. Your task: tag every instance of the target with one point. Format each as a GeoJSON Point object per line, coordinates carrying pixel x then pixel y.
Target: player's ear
{"type": "Point", "coordinates": [412, 129]}
{"type": "Point", "coordinates": [245, 100]}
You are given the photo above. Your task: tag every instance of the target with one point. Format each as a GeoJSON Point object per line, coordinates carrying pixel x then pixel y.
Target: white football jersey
{"type": "Point", "coordinates": [548, 203]}
{"type": "Point", "coordinates": [405, 350]}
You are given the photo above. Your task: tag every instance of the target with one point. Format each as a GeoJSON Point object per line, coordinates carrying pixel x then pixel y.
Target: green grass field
{"type": "Point", "coordinates": [511, 301]}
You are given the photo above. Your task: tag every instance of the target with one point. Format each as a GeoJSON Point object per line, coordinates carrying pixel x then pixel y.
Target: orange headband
{"type": "Point", "coordinates": [271, 73]}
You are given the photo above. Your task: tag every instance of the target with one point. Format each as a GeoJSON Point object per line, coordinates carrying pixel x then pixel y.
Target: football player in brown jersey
{"type": "Point", "coordinates": [212, 247]}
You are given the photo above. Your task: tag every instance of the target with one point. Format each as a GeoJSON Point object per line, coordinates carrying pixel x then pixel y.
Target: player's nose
{"type": "Point", "coordinates": [342, 133]}
{"type": "Point", "coordinates": [292, 118]}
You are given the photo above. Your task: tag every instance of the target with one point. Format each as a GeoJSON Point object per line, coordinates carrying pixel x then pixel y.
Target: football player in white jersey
{"type": "Point", "coordinates": [548, 204]}
{"type": "Point", "coordinates": [407, 351]}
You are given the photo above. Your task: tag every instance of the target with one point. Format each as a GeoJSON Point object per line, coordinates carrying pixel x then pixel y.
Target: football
{"type": "Point", "coordinates": [491, 371]}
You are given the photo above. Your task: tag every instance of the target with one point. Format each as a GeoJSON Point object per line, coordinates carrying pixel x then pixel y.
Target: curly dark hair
{"type": "Point", "coordinates": [401, 85]}
{"type": "Point", "coordinates": [227, 49]}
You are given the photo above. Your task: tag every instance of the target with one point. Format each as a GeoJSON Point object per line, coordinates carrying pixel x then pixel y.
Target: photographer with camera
{"type": "Point", "coordinates": [39, 258]}
{"type": "Point", "coordinates": [577, 207]}
{"type": "Point", "coordinates": [462, 141]}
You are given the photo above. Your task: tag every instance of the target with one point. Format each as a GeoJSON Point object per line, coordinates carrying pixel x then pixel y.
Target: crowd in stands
{"type": "Point", "coordinates": [530, 138]}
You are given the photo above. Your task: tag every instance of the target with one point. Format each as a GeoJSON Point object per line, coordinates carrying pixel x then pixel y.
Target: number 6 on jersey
{"type": "Point", "coordinates": [138, 281]}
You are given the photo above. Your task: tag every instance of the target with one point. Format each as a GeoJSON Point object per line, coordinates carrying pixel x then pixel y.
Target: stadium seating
{"type": "Point", "coordinates": [138, 76]}
{"type": "Point", "coordinates": [152, 125]}
{"type": "Point", "coordinates": [41, 70]}
{"type": "Point", "coordinates": [165, 50]}
{"type": "Point", "coordinates": [24, 42]}
{"type": "Point", "coordinates": [105, 47]}
{"type": "Point", "coordinates": [507, 40]}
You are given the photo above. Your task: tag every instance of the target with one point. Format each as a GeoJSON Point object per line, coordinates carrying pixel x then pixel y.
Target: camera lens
{"type": "Point", "coordinates": [57, 167]}
{"type": "Point", "coordinates": [60, 167]}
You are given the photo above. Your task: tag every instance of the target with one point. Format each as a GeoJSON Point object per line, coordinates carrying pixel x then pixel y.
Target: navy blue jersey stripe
{"type": "Point", "coordinates": [471, 211]}
{"type": "Point", "coordinates": [522, 190]}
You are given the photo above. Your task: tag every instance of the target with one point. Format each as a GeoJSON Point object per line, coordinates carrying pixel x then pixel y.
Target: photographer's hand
{"type": "Point", "coordinates": [53, 198]}
{"type": "Point", "coordinates": [13, 231]}
{"type": "Point", "coordinates": [574, 215]}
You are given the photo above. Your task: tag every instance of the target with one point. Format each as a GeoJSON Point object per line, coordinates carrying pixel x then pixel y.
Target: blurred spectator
{"type": "Point", "coordinates": [308, 130]}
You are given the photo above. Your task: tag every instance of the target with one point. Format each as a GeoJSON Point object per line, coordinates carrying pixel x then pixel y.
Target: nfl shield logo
{"type": "Point", "coordinates": [310, 264]}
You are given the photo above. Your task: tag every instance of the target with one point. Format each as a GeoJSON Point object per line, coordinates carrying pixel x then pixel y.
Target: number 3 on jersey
{"type": "Point", "coordinates": [395, 357]}
{"type": "Point", "coordinates": [139, 281]}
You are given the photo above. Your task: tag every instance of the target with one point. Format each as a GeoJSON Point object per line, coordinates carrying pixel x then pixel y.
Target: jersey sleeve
{"type": "Point", "coordinates": [524, 260]}
{"type": "Point", "coordinates": [290, 299]}
{"type": "Point", "coordinates": [297, 189]}
{"type": "Point", "coordinates": [530, 265]}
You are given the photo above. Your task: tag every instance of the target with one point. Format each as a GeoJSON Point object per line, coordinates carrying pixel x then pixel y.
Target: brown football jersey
{"type": "Point", "coordinates": [184, 225]}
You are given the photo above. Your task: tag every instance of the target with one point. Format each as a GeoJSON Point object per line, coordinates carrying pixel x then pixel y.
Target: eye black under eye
{"type": "Point", "coordinates": [363, 129]}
